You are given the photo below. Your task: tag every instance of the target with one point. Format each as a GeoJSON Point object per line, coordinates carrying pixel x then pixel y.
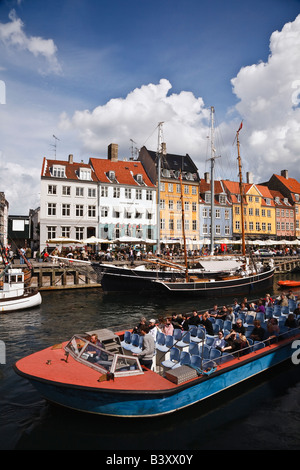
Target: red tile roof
{"type": "Point", "coordinates": [71, 169]}
{"type": "Point", "coordinates": [125, 171]}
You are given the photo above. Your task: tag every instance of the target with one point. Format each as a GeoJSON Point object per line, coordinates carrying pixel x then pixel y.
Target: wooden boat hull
{"type": "Point", "coordinates": [289, 283]}
{"type": "Point", "coordinates": [110, 398]}
{"type": "Point", "coordinates": [30, 300]}
{"type": "Point", "coordinates": [242, 286]}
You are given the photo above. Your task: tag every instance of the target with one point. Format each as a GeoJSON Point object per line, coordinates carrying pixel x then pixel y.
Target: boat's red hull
{"type": "Point", "coordinates": [289, 283]}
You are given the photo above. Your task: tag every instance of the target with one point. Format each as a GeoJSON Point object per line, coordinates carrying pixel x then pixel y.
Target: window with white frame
{"type": "Point", "coordinates": [104, 191]}
{"type": "Point", "coordinates": [92, 192]}
{"type": "Point", "coordinates": [66, 190]}
{"type": "Point", "coordinates": [149, 195]}
{"type": "Point", "coordinates": [79, 211]}
{"type": "Point", "coordinates": [51, 210]}
{"type": "Point", "coordinates": [65, 231]}
{"type": "Point", "coordinates": [79, 232]}
{"type": "Point", "coordinates": [79, 191]}
{"type": "Point", "coordinates": [52, 188]}
{"type": "Point", "coordinates": [66, 210]}
{"type": "Point", "coordinates": [91, 211]}
{"type": "Point", "coordinates": [51, 231]}
{"type": "Point", "coordinates": [58, 171]}
{"type": "Point", "coordinates": [127, 193]}
{"type": "Point", "coordinates": [116, 192]}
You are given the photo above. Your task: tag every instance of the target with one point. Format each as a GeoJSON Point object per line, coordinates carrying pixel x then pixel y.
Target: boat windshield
{"type": "Point", "coordinates": [97, 357]}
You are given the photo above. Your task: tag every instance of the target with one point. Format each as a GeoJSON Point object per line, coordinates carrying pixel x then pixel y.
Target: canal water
{"type": "Point", "coordinates": [263, 414]}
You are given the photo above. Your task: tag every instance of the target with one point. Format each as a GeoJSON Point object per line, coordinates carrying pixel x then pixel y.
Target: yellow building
{"type": "Point", "coordinates": [171, 229]}
{"type": "Point", "coordinates": [259, 211]}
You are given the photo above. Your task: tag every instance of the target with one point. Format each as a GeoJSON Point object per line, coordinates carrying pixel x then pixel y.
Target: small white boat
{"type": "Point", "coordinates": [13, 293]}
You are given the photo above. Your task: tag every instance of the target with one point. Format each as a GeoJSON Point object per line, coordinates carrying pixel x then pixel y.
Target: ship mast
{"type": "Point", "coordinates": [159, 154]}
{"type": "Point", "coordinates": [183, 229]}
{"type": "Point", "coordinates": [212, 183]}
{"type": "Point", "coordinates": [241, 190]}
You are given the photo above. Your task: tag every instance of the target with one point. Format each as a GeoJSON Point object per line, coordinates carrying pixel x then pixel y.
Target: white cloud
{"type": "Point", "coordinates": [269, 104]}
{"type": "Point", "coordinates": [12, 35]}
{"type": "Point", "coordinates": [139, 113]}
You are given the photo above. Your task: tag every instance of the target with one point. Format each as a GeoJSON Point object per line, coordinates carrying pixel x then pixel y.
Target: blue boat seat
{"type": "Point", "coordinates": [185, 340]}
{"type": "Point", "coordinates": [204, 351]}
{"type": "Point", "coordinates": [216, 328]}
{"type": "Point", "coordinates": [285, 310]}
{"type": "Point", "coordinates": [177, 333]}
{"type": "Point", "coordinates": [260, 316]}
{"type": "Point", "coordinates": [258, 345]}
{"type": "Point", "coordinates": [137, 348]}
{"type": "Point", "coordinates": [269, 312]}
{"type": "Point", "coordinates": [200, 334]}
{"type": "Point", "coordinates": [276, 310]}
{"type": "Point", "coordinates": [227, 325]}
{"type": "Point", "coordinates": [194, 348]}
{"type": "Point", "coordinates": [185, 360]}
{"type": "Point", "coordinates": [209, 340]}
{"type": "Point", "coordinates": [249, 319]}
{"type": "Point", "coordinates": [165, 343]}
{"type": "Point", "coordinates": [214, 353]}
{"type": "Point", "coordinates": [174, 358]}
{"type": "Point", "coordinates": [220, 322]}
{"type": "Point", "coordinates": [196, 362]}
{"type": "Point", "coordinates": [126, 343]}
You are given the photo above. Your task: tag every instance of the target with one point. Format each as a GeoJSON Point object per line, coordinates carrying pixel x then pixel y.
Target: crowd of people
{"type": "Point", "coordinates": [226, 341]}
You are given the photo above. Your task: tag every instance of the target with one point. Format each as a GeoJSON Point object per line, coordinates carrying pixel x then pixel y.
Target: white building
{"type": "Point", "coordinates": [127, 198]}
{"type": "Point", "coordinates": [69, 201]}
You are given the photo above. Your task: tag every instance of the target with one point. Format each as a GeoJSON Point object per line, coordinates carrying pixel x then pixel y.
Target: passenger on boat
{"type": "Point", "coordinates": [260, 307]}
{"type": "Point", "coordinates": [230, 315]}
{"type": "Point", "coordinates": [153, 328]}
{"type": "Point", "coordinates": [243, 308]}
{"type": "Point", "coordinates": [272, 329]}
{"type": "Point", "coordinates": [268, 301]}
{"type": "Point", "coordinates": [245, 302]}
{"type": "Point", "coordinates": [291, 296]}
{"type": "Point", "coordinates": [168, 328]}
{"type": "Point", "coordinates": [232, 341]}
{"type": "Point", "coordinates": [282, 300]}
{"type": "Point", "coordinates": [148, 351]}
{"type": "Point", "coordinates": [236, 306]}
{"type": "Point", "coordinates": [194, 319]}
{"type": "Point", "coordinates": [137, 329]}
{"type": "Point", "coordinates": [258, 331]}
{"type": "Point", "coordinates": [222, 313]}
{"type": "Point", "coordinates": [290, 322]}
{"type": "Point", "coordinates": [176, 321]}
{"type": "Point", "coordinates": [219, 342]}
{"type": "Point", "coordinates": [214, 311]}
{"type": "Point", "coordinates": [238, 327]}
{"type": "Point", "coordinates": [185, 322]}
{"type": "Point", "coordinates": [205, 321]}
{"type": "Point", "coordinates": [95, 353]}
{"type": "Point", "coordinates": [297, 310]}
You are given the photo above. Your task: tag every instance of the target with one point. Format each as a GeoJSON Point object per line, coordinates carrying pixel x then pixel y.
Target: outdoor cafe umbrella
{"type": "Point", "coordinates": [63, 241]}
{"type": "Point", "coordinates": [94, 241]}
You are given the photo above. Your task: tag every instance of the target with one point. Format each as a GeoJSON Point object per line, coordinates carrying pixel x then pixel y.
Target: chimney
{"type": "Point", "coordinates": [70, 158]}
{"type": "Point", "coordinates": [112, 154]}
{"type": "Point", "coordinates": [249, 177]}
{"type": "Point", "coordinates": [206, 177]}
{"type": "Point", "coordinates": [285, 174]}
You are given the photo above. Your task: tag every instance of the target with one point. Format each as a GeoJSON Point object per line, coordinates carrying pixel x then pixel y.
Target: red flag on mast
{"type": "Point", "coordinates": [241, 125]}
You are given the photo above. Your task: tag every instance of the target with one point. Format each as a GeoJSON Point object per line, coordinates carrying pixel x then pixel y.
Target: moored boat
{"type": "Point", "coordinates": [14, 295]}
{"type": "Point", "coordinates": [288, 283]}
{"type": "Point", "coordinates": [108, 380]}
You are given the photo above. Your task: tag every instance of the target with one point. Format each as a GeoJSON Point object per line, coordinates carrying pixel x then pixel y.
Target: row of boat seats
{"type": "Point", "coordinates": [204, 357]}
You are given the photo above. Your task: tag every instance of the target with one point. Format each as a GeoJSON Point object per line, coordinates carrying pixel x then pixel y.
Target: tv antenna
{"type": "Point", "coordinates": [135, 149]}
{"type": "Point", "coordinates": [54, 145]}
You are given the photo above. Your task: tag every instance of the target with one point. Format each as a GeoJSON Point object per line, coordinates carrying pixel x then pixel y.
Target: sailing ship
{"type": "Point", "coordinates": [221, 276]}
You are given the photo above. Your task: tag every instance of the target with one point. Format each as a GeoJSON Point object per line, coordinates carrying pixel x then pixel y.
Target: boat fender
{"type": "Point", "coordinates": [106, 377]}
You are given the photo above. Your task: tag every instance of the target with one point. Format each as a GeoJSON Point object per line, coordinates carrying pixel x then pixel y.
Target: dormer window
{"type": "Point", "coordinates": [222, 198]}
{"type": "Point", "coordinates": [277, 200]}
{"type": "Point", "coordinates": [85, 174]}
{"type": "Point", "coordinates": [297, 197]}
{"type": "Point", "coordinates": [58, 171]}
{"type": "Point", "coordinates": [268, 201]}
{"type": "Point", "coordinates": [111, 175]}
{"type": "Point", "coordinates": [139, 178]}
{"type": "Point", "coordinates": [207, 197]}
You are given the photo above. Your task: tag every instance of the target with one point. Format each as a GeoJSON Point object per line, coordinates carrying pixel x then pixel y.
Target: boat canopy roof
{"type": "Point", "coordinates": [98, 358]}
{"type": "Point", "coordinates": [221, 265]}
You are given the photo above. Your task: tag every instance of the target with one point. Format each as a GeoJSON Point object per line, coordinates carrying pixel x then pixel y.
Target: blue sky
{"type": "Point", "coordinates": [93, 72]}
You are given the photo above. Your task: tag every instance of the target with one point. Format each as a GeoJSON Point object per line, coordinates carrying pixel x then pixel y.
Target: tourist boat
{"type": "Point", "coordinates": [109, 380]}
{"type": "Point", "coordinates": [14, 294]}
{"type": "Point", "coordinates": [288, 283]}
{"type": "Point", "coordinates": [216, 276]}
